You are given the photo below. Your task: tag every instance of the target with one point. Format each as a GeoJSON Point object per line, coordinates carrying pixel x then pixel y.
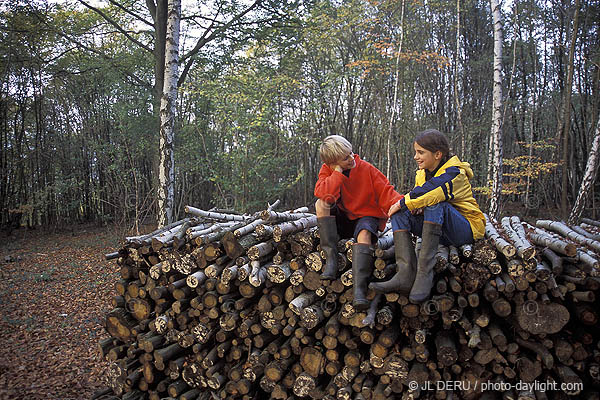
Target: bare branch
{"type": "Point", "coordinates": [119, 28]}
{"type": "Point", "coordinates": [92, 50]}
{"type": "Point", "coordinates": [139, 17]}
{"type": "Point", "coordinates": [203, 40]}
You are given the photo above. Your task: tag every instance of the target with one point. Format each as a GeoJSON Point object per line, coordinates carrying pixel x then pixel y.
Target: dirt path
{"type": "Point", "coordinates": [53, 299]}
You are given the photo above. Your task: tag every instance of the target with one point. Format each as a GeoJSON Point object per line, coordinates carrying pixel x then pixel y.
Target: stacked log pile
{"type": "Point", "coordinates": [222, 305]}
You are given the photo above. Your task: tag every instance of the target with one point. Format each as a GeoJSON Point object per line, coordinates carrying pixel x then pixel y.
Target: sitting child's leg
{"type": "Point", "coordinates": [406, 221]}
{"type": "Point", "coordinates": [406, 266]}
{"type": "Point", "coordinates": [403, 223]}
{"type": "Point", "coordinates": [426, 261]}
{"type": "Point", "coordinates": [441, 223]}
{"type": "Point", "coordinates": [329, 238]}
{"type": "Point", "coordinates": [456, 229]}
{"type": "Point", "coordinates": [362, 260]}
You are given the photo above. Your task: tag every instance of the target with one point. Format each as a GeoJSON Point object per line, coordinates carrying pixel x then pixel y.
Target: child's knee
{"type": "Point", "coordinates": [442, 205]}
{"type": "Point", "coordinates": [401, 217]}
{"type": "Point", "coordinates": [323, 208]}
{"type": "Point", "coordinates": [364, 236]}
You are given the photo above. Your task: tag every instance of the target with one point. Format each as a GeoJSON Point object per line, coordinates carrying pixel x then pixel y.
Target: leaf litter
{"type": "Point", "coordinates": [53, 299]}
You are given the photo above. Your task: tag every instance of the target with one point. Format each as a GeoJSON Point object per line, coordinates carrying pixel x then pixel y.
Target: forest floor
{"type": "Point", "coordinates": [53, 299]}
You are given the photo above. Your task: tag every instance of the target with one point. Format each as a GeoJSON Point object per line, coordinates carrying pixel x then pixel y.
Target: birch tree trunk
{"type": "Point", "coordinates": [589, 177]}
{"type": "Point", "coordinates": [168, 102]}
{"type": "Point", "coordinates": [496, 133]}
{"type": "Point", "coordinates": [567, 115]}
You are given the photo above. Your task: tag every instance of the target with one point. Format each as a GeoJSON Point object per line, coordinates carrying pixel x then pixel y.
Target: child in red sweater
{"type": "Point", "coordinates": [354, 198]}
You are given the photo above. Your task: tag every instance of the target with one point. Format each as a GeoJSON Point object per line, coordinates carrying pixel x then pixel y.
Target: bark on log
{"type": "Point", "coordinates": [569, 233]}
{"type": "Point", "coordinates": [499, 242]}
{"type": "Point", "coordinates": [524, 249]}
{"type": "Point", "coordinates": [215, 215]}
{"type": "Point", "coordinates": [559, 246]}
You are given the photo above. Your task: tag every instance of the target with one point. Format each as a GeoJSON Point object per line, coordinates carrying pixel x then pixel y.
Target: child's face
{"type": "Point", "coordinates": [426, 159]}
{"type": "Point", "coordinates": [347, 162]}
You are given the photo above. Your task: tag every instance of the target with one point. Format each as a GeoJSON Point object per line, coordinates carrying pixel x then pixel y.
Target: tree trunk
{"type": "Point", "coordinates": [589, 177]}
{"type": "Point", "coordinates": [496, 132]}
{"type": "Point", "coordinates": [567, 115]}
{"type": "Point", "coordinates": [456, 92]}
{"type": "Point", "coordinates": [167, 117]}
{"type": "Point", "coordinates": [396, 84]}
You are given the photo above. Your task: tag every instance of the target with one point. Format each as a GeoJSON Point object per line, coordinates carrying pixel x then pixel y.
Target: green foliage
{"type": "Point", "coordinates": [80, 132]}
{"type": "Point", "coordinates": [243, 152]}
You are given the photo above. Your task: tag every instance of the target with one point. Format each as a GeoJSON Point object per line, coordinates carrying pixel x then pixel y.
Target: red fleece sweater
{"type": "Point", "coordinates": [365, 193]}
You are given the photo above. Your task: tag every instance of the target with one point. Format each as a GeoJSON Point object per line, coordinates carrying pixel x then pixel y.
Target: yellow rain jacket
{"type": "Point", "coordinates": [451, 184]}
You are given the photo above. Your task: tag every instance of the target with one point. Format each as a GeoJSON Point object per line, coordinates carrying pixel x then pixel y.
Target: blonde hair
{"type": "Point", "coordinates": [334, 148]}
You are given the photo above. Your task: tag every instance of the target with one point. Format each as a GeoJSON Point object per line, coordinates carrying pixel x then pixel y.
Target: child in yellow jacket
{"type": "Point", "coordinates": [440, 208]}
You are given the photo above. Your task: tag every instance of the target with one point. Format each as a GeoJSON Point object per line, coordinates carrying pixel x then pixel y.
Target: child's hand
{"type": "Point", "coordinates": [394, 208]}
{"type": "Point", "coordinates": [335, 167]}
{"type": "Point", "coordinates": [417, 211]}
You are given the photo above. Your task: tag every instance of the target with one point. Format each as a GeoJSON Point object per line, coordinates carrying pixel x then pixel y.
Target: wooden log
{"type": "Point", "coordinates": [524, 249]}
{"type": "Point", "coordinates": [139, 240]}
{"type": "Point", "coordinates": [269, 215]}
{"type": "Point", "coordinates": [586, 314]}
{"type": "Point", "coordinates": [167, 353]}
{"type": "Point", "coordinates": [499, 242]}
{"type": "Point", "coordinates": [569, 233]}
{"type": "Point", "coordinates": [258, 275]}
{"type": "Point", "coordinates": [587, 262]}
{"type": "Point", "coordinates": [537, 317]}
{"type": "Point", "coordinates": [582, 231]}
{"type": "Point", "coordinates": [590, 222]}
{"type": "Point", "coordinates": [453, 255]}
{"type": "Point", "coordinates": [312, 361]}
{"type": "Point", "coordinates": [304, 385]}
{"type": "Point", "coordinates": [215, 215]}
{"type": "Point", "coordinates": [572, 381]}
{"type": "Point", "coordinates": [200, 231]}
{"type": "Point", "coordinates": [302, 301]}
{"type": "Point", "coordinates": [542, 238]}
{"type": "Point", "coordinates": [447, 354]}
{"type": "Point", "coordinates": [312, 315]}
{"type": "Point", "coordinates": [279, 273]}
{"type": "Point", "coordinates": [502, 307]}
{"type": "Point", "coordinates": [542, 352]}
{"type": "Point", "coordinates": [236, 246]}
{"type": "Point", "coordinates": [261, 250]}
{"type": "Point", "coordinates": [483, 252]}
{"type": "Point", "coordinates": [289, 227]}
{"type": "Point", "coordinates": [587, 296]}
{"type": "Point", "coordinates": [385, 315]}
{"type": "Point", "coordinates": [119, 324]}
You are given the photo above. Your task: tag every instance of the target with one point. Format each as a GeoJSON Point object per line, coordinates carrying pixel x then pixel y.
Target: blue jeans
{"type": "Point", "coordinates": [456, 229]}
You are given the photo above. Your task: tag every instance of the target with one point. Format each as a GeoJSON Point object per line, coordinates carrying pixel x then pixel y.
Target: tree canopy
{"type": "Point", "coordinates": [262, 83]}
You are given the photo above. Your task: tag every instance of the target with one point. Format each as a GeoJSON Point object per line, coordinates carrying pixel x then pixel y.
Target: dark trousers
{"type": "Point", "coordinates": [348, 228]}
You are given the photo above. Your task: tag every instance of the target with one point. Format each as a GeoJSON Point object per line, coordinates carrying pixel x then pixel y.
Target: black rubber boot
{"type": "Point", "coordinates": [424, 278]}
{"type": "Point", "coordinates": [406, 266]}
{"type": "Point", "coordinates": [329, 239]}
{"type": "Point", "coordinates": [362, 268]}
